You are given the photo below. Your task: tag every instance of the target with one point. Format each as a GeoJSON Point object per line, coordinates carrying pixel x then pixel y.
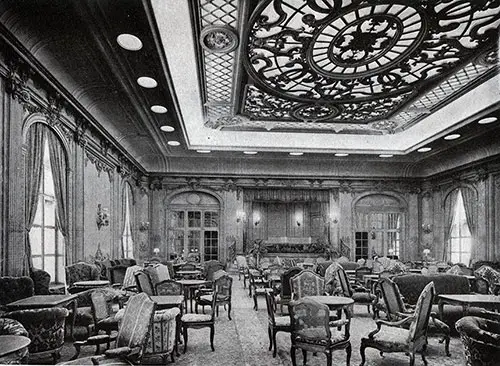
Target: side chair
{"type": "Point", "coordinates": [275, 324]}
{"type": "Point", "coordinates": [197, 321]}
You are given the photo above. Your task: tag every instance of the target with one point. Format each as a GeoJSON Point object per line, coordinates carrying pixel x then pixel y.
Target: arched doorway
{"type": "Point", "coordinates": [193, 226]}
{"type": "Point", "coordinates": [379, 225]}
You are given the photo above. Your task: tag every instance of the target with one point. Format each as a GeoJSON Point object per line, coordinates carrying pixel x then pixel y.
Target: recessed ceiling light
{"type": "Point", "coordinates": [173, 143]}
{"type": "Point", "coordinates": [341, 154]}
{"type": "Point", "coordinates": [204, 151]}
{"type": "Point", "coordinates": [487, 120]}
{"type": "Point", "coordinates": [453, 136]}
{"type": "Point", "coordinates": [147, 82]}
{"type": "Point", "coordinates": [386, 155]}
{"type": "Point", "coordinates": [424, 149]}
{"type": "Point", "coordinates": [129, 42]}
{"type": "Point", "coordinates": [167, 128]}
{"type": "Point", "coordinates": [250, 152]}
{"type": "Point", "coordinates": [158, 109]}
{"type": "Point", "coordinates": [296, 153]}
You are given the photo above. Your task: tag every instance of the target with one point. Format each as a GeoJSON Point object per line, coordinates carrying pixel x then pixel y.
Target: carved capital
{"type": "Point", "coordinates": [53, 109]}
{"type": "Point", "coordinates": [79, 134]}
{"type": "Point", "coordinates": [17, 79]}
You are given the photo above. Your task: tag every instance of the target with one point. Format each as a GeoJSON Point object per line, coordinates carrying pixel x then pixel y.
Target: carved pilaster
{"type": "Point", "coordinates": [17, 79]}
{"type": "Point", "coordinates": [53, 109]}
{"type": "Point", "coordinates": [79, 135]}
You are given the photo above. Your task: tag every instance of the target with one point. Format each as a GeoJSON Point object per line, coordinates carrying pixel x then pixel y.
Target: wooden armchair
{"type": "Point", "coordinates": [396, 309]}
{"type": "Point", "coordinates": [310, 328]}
{"type": "Point", "coordinates": [168, 287]}
{"type": "Point", "coordinates": [223, 288]}
{"type": "Point", "coordinates": [400, 337]}
{"type": "Point", "coordinates": [285, 295]}
{"type": "Point", "coordinates": [144, 283]}
{"type": "Point", "coordinates": [275, 324]}
{"type": "Point", "coordinates": [200, 321]}
{"type": "Point", "coordinates": [360, 296]}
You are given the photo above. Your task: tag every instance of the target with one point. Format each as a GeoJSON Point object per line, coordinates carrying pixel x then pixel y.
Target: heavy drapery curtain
{"type": "Point", "coordinates": [59, 174]}
{"type": "Point", "coordinates": [449, 209]}
{"type": "Point", "coordinates": [127, 219]}
{"type": "Point", "coordinates": [35, 139]}
{"type": "Point", "coordinates": [470, 206]}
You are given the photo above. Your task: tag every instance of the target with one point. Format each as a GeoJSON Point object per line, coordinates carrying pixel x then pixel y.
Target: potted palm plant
{"type": "Point", "coordinates": [257, 249]}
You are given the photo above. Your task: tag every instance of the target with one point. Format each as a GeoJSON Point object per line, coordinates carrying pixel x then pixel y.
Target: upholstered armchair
{"type": "Point", "coordinates": [13, 327]}
{"type": "Point", "coordinates": [275, 324]}
{"type": "Point", "coordinates": [131, 339]}
{"type": "Point", "coordinates": [400, 337]}
{"type": "Point", "coordinates": [481, 340]}
{"type": "Point", "coordinates": [489, 274]}
{"type": "Point", "coordinates": [161, 340]}
{"type": "Point", "coordinates": [307, 283]}
{"type": "Point", "coordinates": [310, 328]}
{"type": "Point", "coordinates": [15, 288]}
{"type": "Point", "coordinates": [45, 328]}
{"type": "Point", "coordinates": [102, 311]}
{"type": "Point", "coordinates": [80, 271]}
{"type": "Point", "coordinates": [41, 281]}
{"type": "Point", "coordinates": [210, 267]}
{"type": "Point", "coordinates": [257, 288]}
{"type": "Point", "coordinates": [396, 309]}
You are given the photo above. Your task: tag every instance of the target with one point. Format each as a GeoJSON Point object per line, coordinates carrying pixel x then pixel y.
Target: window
{"type": "Point", "coordinates": [460, 236]}
{"type": "Point", "coordinates": [127, 242]}
{"type": "Point", "coordinates": [393, 233]}
{"type": "Point", "coordinates": [47, 242]}
{"type": "Point", "coordinates": [361, 245]}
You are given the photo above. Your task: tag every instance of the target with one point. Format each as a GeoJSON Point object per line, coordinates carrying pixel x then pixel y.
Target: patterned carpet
{"type": "Point", "coordinates": [244, 341]}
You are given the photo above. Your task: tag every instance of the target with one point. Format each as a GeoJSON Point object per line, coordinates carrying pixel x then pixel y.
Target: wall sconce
{"type": "Point", "coordinates": [143, 226]}
{"type": "Point", "coordinates": [102, 217]}
{"type": "Point", "coordinates": [240, 216]}
{"type": "Point", "coordinates": [426, 253]}
{"type": "Point", "coordinates": [391, 251]}
{"type": "Point", "coordinates": [156, 251]}
{"type": "Point", "coordinates": [256, 218]}
{"type": "Point", "coordinates": [427, 228]}
{"type": "Point", "coordinates": [256, 223]}
{"type": "Point", "coordinates": [299, 217]}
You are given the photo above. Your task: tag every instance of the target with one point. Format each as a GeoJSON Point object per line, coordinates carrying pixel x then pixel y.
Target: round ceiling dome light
{"type": "Point", "coordinates": [424, 149]}
{"type": "Point", "coordinates": [386, 156]}
{"type": "Point", "coordinates": [453, 136]}
{"type": "Point", "coordinates": [159, 109]}
{"type": "Point", "coordinates": [204, 151]}
{"type": "Point", "coordinates": [487, 120]}
{"type": "Point", "coordinates": [129, 42]}
{"type": "Point", "coordinates": [249, 152]}
{"type": "Point", "coordinates": [147, 82]}
{"type": "Point", "coordinates": [340, 155]}
{"type": "Point", "coordinates": [173, 143]}
{"type": "Point", "coordinates": [167, 128]}
{"type": "Point", "coordinates": [296, 153]}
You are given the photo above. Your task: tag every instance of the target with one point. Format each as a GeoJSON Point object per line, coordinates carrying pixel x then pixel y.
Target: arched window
{"type": "Point", "coordinates": [46, 201]}
{"type": "Point", "coordinates": [127, 240]}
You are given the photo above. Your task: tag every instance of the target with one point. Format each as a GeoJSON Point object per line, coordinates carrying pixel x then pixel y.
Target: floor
{"type": "Point", "coordinates": [244, 341]}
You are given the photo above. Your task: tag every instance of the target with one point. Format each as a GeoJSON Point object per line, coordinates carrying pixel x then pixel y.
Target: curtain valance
{"type": "Point", "coordinates": [286, 195]}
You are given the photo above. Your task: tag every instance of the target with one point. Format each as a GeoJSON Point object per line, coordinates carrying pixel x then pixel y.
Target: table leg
{"type": "Point", "coordinates": [74, 305]}
{"type": "Point", "coordinates": [186, 291]}
{"type": "Point", "coordinates": [440, 307]}
{"type": "Point", "coordinates": [178, 332]}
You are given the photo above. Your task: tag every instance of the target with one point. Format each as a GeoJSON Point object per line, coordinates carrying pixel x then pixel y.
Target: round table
{"type": "Point", "coordinates": [333, 301]}
{"type": "Point", "coordinates": [13, 348]}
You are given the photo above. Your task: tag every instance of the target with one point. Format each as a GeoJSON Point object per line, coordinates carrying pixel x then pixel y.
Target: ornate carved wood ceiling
{"type": "Point", "coordinates": [340, 66]}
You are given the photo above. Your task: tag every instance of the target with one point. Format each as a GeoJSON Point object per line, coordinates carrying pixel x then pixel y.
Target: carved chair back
{"type": "Point", "coordinates": [210, 267]}
{"type": "Point", "coordinates": [392, 297]}
{"type": "Point", "coordinates": [418, 327]}
{"type": "Point", "coordinates": [343, 279]}
{"type": "Point", "coordinates": [169, 288]}
{"type": "Point", "coordinates": [307, 283]}
{"type": "Point", "coordinates": [286, 289]}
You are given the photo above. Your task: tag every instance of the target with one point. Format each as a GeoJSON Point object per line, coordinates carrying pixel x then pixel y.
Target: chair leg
{"type": "Point", "coordinates": [217, 310]}
{"type": "Point", "coordinates": [304, 356]}
{"type": "Point", "coordinates": [329, 358]}
{"type": "Point", "coordinates": [424, 350]}
{"type": "Point", "coordinates": [274, 342]}
{"type": "Point", "coordinates": [348, 350]}
{"type": "Point", "coordinates": [255, 306]}
{"type": "Point", "coordinates": [78, 348]}
{"type": "Point", "coordinates": [212, 333]}
{"type": "Point", "coordinates": [362, 352]}
{"type": "Point", "coordinates": [172, 357]}
{"type": "Point", "coordinates": [185, 336]}
{"type": "Point", "coordinates": [412, 358]}
{"type": "Point", "coordinates": [269, 333]}
{"type": "Point", "coordinates": [229, 311]}
{"type": "Point", "coordinates": [292, 355]}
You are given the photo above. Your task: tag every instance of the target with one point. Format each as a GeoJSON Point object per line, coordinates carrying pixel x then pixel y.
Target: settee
{"type": "Point", "coordinates": [411, 285]}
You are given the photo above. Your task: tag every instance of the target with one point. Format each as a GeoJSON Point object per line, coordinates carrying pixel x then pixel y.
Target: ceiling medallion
{"type": "Point", "coordinates": [348, 51]}
{"type": "Point", "coordinates": [315, 112]}
{"type": "Point", "coordinates": [220, 39]}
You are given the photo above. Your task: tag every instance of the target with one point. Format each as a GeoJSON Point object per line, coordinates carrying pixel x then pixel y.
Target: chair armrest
{"type": "Point", "coordinates": [396, 324]}
{"type": "Point", "coordinates": [490, 315]}
{"type": "Point", "coordinates": [118, 352]}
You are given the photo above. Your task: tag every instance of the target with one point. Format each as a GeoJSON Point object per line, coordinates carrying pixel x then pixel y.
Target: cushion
{"type": "Point", "coordinates": [392, 338]}
{"type": "Point", "coordinates": [192, 318]}
{"type": "Point", "coordinates": [282, 321]}
{"type": "Point", "coordinates": [364, 297]}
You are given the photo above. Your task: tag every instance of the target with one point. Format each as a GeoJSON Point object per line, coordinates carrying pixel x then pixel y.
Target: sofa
{"type": "Point", "coordinates": [15, 288]}
{"type": "Point", "coordinates": [411, 285]}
